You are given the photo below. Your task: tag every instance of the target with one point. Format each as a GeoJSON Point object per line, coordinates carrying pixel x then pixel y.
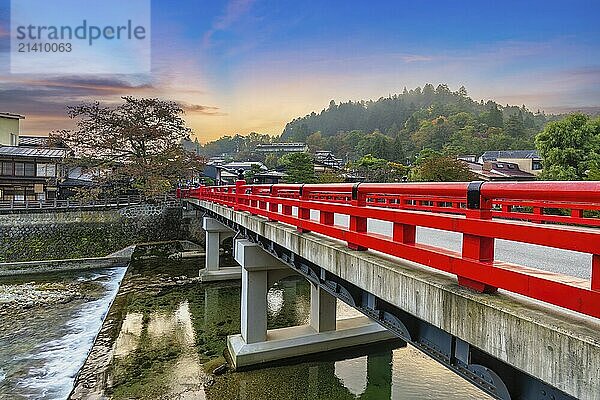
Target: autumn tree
{"type": "Point", "coordinates": [133, 146]}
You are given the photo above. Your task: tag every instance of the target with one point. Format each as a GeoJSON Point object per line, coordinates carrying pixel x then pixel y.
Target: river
{"type": "Point", "coordinates": [171, 333]}
{"type": "Point", "coordinates": [165, 334]}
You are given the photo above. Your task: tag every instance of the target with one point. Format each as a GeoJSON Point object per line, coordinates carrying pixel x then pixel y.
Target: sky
{"type": "Point", "coordinates": [239, 66]}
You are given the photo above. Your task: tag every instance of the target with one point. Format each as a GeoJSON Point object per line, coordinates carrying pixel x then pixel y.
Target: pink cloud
{"type": "Point", "coordinates": [202, 109]}
{"type": "Point", "coordinates": [233, 12]}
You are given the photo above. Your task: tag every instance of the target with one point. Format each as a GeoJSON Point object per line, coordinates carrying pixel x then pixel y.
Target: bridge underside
{"type": "Point", "coordinates": [509, 347]}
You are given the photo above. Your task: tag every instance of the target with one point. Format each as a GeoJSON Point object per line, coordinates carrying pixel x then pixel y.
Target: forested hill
{"type": "Point", "coordinates": [399, 127]}
{"type": "Point", "coordinates": [394, 112]}
{"type": "Point", "coordinates": [402, 124]}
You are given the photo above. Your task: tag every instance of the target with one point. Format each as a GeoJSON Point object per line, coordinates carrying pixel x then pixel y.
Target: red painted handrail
{"type": "Point", "coordinates": [481, 212]}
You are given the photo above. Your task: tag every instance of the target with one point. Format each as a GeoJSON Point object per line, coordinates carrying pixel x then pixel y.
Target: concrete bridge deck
{"type": "Point", "coordinates": [550, 344]}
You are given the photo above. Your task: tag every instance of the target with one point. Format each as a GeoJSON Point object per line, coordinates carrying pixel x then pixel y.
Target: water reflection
{"type": "Point", "coordinates": [129, 336]}
{"type": "Point", "coordinates": [351, 374]}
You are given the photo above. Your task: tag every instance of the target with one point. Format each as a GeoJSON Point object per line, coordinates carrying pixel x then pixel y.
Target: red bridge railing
{"type": "Point", "coordinates": [481, 212]}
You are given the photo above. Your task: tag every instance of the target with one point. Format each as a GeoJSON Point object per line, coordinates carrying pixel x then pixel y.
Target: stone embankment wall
{"type": "Point", "coordinates": [79, 234]}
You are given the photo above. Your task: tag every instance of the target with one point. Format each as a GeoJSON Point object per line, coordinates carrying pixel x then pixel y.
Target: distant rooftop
{"type": "Point", "coordinates": [271, 174]}
{"type": "Point", "coordinates": [12, 151]}
{"type": "Point", "coordinates": [497, 170]}
{"type": "Point", "coordinates": [11, 115]}
{"type": "Point", "coordinates": [283, 147]}
{"type": "Point", "coordinates": [33, 141]}
{"type": "Point", "coordinates": [509, 154]}
{"type": "Point", "coordinates": [245, 165]}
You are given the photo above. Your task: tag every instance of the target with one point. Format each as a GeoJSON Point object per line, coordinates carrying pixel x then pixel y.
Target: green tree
{"type": "Point", "coordinates": [298, 167]}
{"type": "Point", "coordinates": [376, 144]}
{"type": "Point", "coordinates": [315, 141]}
{"type": "Point", "coordinates": [251, 173]}
{"type": "Point", "coordinates": [494, 117]}
{"type": "Point", "coordinates": [570, 148]}
{"type": "Point", "coordinates": [514, 126]}
{"type": "Point", "coordinates": [271, 161]}
{"type": "Point", "coordinates": [375, 169]}
{"type": "Point", "coordinates": [432, 166]}
{"type": "Point", "coordinates": [331, 177]}
{"type": "Point", "coordinates": [434, 134]}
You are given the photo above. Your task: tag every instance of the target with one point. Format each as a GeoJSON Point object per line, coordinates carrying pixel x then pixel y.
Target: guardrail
{"type": "Point", "coordinates": [476, 210]}
{"type": "Point", "coordinates": [7, 206]}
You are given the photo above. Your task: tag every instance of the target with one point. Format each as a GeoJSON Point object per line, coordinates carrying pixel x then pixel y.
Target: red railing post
{"type": "Point", "coordinates": [357, 224]}
{"type": "Point", "coordinates": [404, 233]}
{"type": "Point", "coordinates": [326, 218]}
{"type": "Point", "coordinates": [303, 213]}
{"type": "Point", "coordinates": [537, 214]}
{"type": "Point", "coordinates": [575, 213]}
{"type": "Point", "coordinates": [262, 204]}
{"type": "Point", "coordinates": [239, 189]}
{"type": "Point", "coordinates": [474, 247]}
{"type": "Point", "coordinates": [285, 208]}
{"type": "Point", "coordinates": [273, 206]}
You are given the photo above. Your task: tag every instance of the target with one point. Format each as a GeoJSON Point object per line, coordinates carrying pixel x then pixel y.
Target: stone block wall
{"type": "Point", "coordinates": [78, 234]}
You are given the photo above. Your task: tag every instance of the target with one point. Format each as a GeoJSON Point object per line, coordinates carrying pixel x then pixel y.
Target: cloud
{"type": "Point", "coordinates": [47, 99]}
{"type": "Point", "coordinates": [44, 101]}
{"type": "Point", "coordinates": [234, 11]}
{"type": "Point", "coordinates": [203, 110]}
{"type": "Point", "coordinates": [91, 85]}
{"type": "Point", "coordinates": [410, 58]}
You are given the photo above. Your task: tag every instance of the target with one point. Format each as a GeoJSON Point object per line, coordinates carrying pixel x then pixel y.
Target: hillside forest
{"type": "Point", "coordinates": [403, 129]}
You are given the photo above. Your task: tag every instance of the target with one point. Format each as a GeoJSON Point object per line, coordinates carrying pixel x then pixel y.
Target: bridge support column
{"type": "Point", "coordinates": [322, 310]}
{"type": "Point", "coordinates": [215, 234]}
{"type": "Point", "coordinates": [254, 306]}
{"type": "Point", "coordinates": [257, 345]}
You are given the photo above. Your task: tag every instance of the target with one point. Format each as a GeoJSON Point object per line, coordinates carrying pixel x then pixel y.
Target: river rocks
{"type": "Point", "coordinates": [221, 369]}
{"type": "Point", "coordinates": [29, 295]}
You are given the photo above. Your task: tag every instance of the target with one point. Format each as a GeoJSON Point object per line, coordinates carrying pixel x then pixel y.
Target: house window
{"type": "Point", "coordinates": [46, 170]}
{"type": "Point", "coordinates": [7, 168]}
{"type": "Point", "coordinates": [50, 170]}
{"type": "Point", "coordinates": [19, 169]}
{"type": "Point", "coordinates": [29, 169]}
{"type": "Point", "coordinates": [536, 165]}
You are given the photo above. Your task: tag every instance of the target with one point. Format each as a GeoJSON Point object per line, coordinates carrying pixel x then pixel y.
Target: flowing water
{"type": "Point", "coordinates": [47, 326]}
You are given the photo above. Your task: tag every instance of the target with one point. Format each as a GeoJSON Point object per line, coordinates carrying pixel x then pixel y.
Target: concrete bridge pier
{"type": "Point", "coordinates": [216, 232]}
{"type": "Point", "coordinates": [256, 345]}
